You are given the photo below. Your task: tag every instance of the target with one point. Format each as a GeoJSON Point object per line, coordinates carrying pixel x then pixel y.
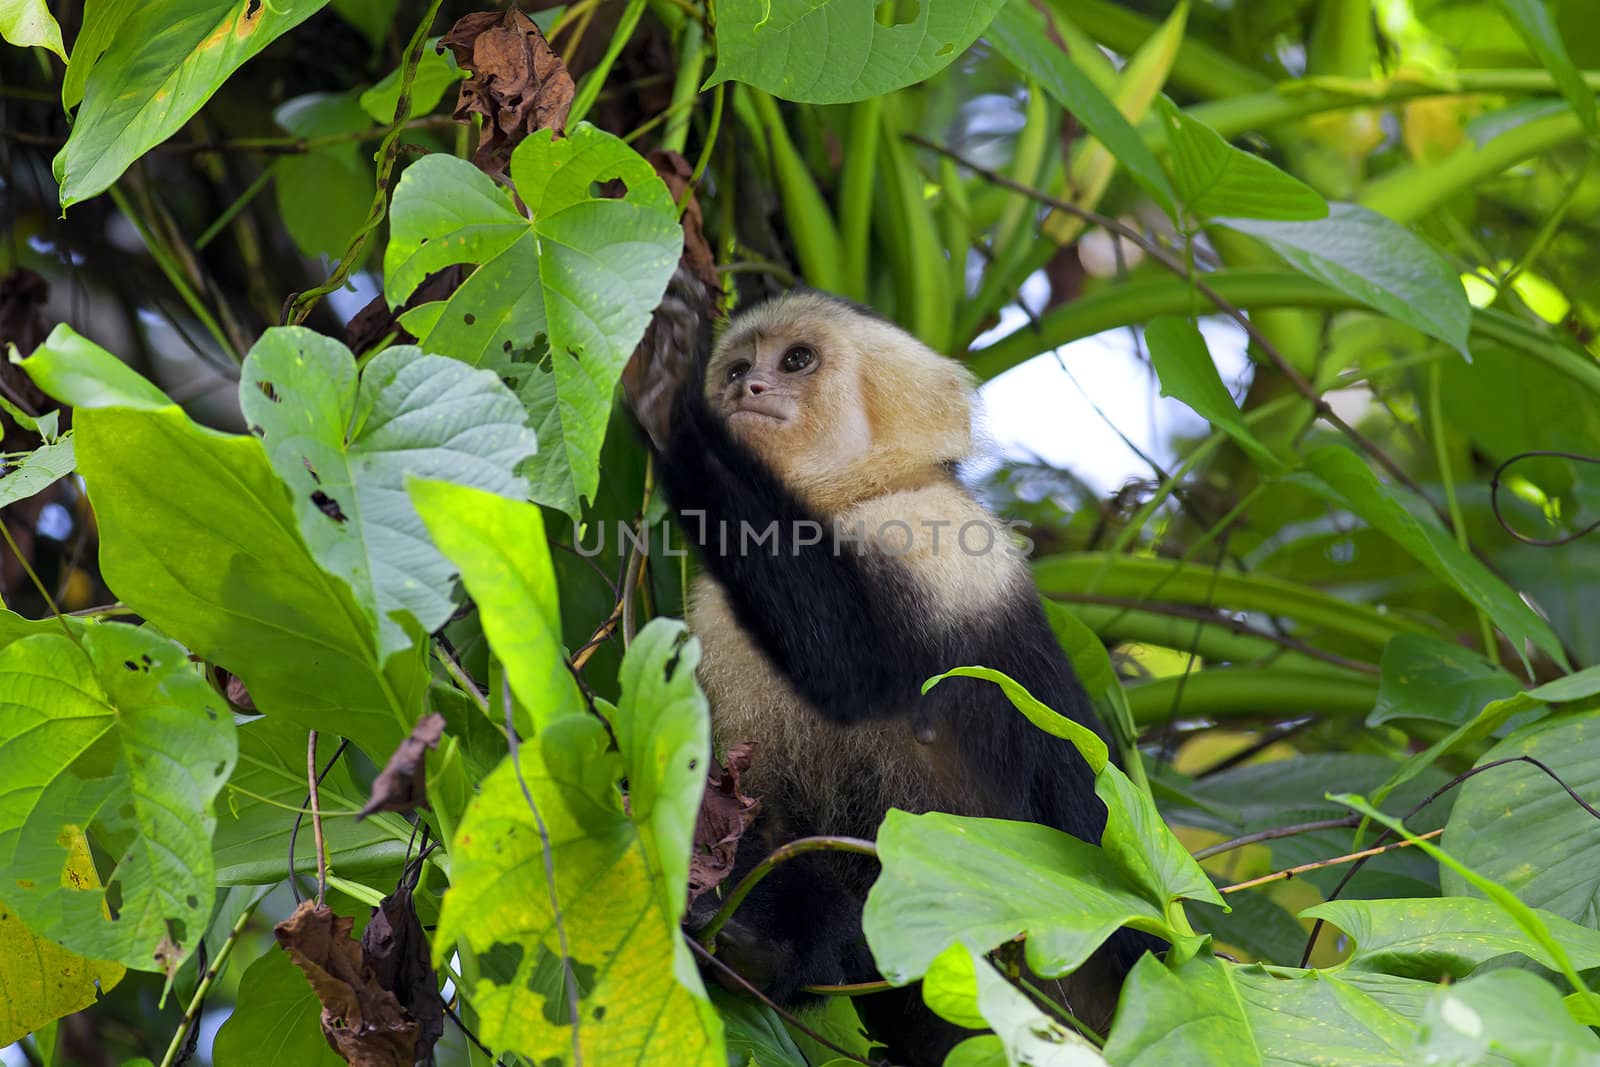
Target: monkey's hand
{"type": "Point", "coordinates": [665, 362]}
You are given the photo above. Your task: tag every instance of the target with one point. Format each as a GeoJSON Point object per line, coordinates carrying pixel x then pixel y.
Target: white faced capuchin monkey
{"type": "Point", "coordinates": [811, 461]}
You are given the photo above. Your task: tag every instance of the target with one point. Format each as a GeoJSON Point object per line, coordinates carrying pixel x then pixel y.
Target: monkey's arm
{"type": "Point", "coordinates": [822, 616]}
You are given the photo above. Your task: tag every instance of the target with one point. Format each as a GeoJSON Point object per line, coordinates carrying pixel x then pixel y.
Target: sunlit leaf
{"type": "Point", "coordinates": [117, 734]}
{"type": "Point", "coordinates": [964, 987]}
{"type": "Point", "coordinates": [39, 470]}
{"type": "Point", "coordinates": [835, 51]}
{"type": "Point", "coordinates": [345, 447]}
{"type": "Point", "coordinates": [581, 271]}
{"type": "Point", "coordinates": [25, 23]}
{"type": "Point", "coordinates": [164, 61]}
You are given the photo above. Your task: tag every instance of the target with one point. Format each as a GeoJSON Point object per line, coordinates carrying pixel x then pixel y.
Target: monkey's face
{"type": "Point", "coordinates": [789, 389]}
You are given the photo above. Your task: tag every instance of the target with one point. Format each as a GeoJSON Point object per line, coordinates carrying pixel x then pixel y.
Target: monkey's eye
{"type": "Point", "coordinates": [798, 358]}
{"type": "Point", "coordinates": [738, 370]}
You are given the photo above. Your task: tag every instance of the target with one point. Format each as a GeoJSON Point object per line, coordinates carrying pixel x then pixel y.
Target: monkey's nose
{"type": "Point", "coordinates": [757, 388]}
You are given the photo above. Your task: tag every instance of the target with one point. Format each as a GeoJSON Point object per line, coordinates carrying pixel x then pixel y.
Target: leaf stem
{"type": "Point", "coordinates": [191, 1014]}
{"type": "Point", "coordinates": [707, 936]}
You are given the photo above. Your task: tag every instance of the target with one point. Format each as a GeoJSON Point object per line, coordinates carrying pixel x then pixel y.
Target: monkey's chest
{"type": "Point", "coordinates": [825, 777]}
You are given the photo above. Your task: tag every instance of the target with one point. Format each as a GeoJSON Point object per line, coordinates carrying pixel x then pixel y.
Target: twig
{"type": "Point", "coordinates": [38, 584]}
{"type": "Point", "coordinates": [191, 1015]}
{"type": "Point", "coordinates": [549, 868]}
{"type": "Point", "coordinates": [1316, 927]}
{"type": "Point", "coordinates": [1494, 498]}
{"type": "Point", "coordinates": [1278, 876]}
{"type": "Point", "coordinates": [1348, 821]}
{"type": "Point", "coordinates": [1164, 256]}
{"type": "Point", "coordinates": [294, 831]}
{"type": "Point", "coordinates": [297, 307]}
{"type": "Point", "coordinates": [1256, 747]}
{"type": "Point", "coordinates": [787, 1016]}
{"type": "Point", "coordinates": [313, 780]}
{"type": "Point", "coordinates": [708, 933]}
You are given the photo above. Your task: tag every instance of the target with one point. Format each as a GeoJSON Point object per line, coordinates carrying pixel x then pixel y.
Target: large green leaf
{"type": "Point", "coordinates": [29, 22]}
{"type": "Point", "coordinates": [1183, 363]}
{"type": "Point", "coordinates": [276, 1020]}
{"type": "Point", "coordinates": [583, 272]}
{"type": "Point", "coordinates": [345, 449]}
{"type": "Point", "coordinates": [1020, 34]}
{"type": "Point", "coordinates": [1514, 825]}
{"type": "Point", "coordinates": [1437, 937]}
{"type": "Point", "coordinates": [1374, 260]}
{"type": "Point", "coordinates": [164, 61]}
{"type": "Point", "coordinates": [610, 914]}
{"type": "Point", "coordinates": [1504, 1016]}
{"type": "Point", "coordinates": [964, 987]}
{"type": "Point", "coordinates": [950, 879]}
{"type": "Point", "coordinates": [114, 731]}
{"type": "Point", "coordinates": [251, 844]}
{"type": "Point", "coordinates": [1342, 477]}
{"type": "Point", "coordinates": [198, 536]}
{"type": "Point", "coordinates": [1207, 1013]}
{"type": "Point", "coordinates": [836, 51]}
{"type": "Point", "coordinates": [1213, 178]}
{"type": "Point", "coordinates": [500, 549]}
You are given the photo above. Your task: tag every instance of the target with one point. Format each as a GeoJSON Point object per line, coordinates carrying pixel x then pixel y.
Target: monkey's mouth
{"type": "Point", "coordinates": [762, 413]}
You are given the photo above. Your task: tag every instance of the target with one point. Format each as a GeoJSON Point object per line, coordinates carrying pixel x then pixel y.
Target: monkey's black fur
{"type": "Point", "coordinates": [856, 638]}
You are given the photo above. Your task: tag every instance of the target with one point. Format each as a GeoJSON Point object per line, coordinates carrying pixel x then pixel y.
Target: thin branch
{"type": "Point", "coordinates": [1494, 498]}
{"type": "Point", "coordinates": [197, 1002]}
{"type": "Point", "coordinates": [787, 1016]}
{"type": "Point", "coordinates": [1348, 821]}
{"type": "Point", "coordinates": [1368, 853]}
{"type": "Point", "coordinates": [294, 831]}
{"type": "Point", "coordinates": [1164, 256]}
{"type": "Point", "coordinates": [313, 780]}
{"type": "Point", "coordinates": [549, 869]}
{"type": "Point", "coordinates": [708, 933]}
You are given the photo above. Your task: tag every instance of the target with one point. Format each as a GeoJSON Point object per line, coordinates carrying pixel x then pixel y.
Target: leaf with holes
{"type": "Point", "coordinates": [836, 51]}
{"type": "Point", "coordinates": [198, 535]}
{"type": "Point", "coordinates": [163, 62]}
{"type": "Point", "coordinates": [114, 733]}
{"type": "Point", "coordinates": [611, 914]}
{"type": "Point", "coordinates": [345, 447]}
{"type": "Point", "coordinates": [581, 270]}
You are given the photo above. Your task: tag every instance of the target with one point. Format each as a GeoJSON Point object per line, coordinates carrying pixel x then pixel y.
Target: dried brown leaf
{"type": "Point", "coordinates": [396, 949]}
{"type": "Point", "coordinates": [517, 83]}
{"type": "Point", "coordinates": [362, 1021]}
{"type": "Point", "coordinates": [402, 784]}
{"type": "Point", "coordinates": [725, 814]}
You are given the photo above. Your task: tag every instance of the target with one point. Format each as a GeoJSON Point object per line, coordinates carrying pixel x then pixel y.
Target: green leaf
{"type": "Point", "coordinates": [1434, 937]}
{"type": "Point", "coordinates": [101, 21]}
{"type": "Point", "coordinates": [324, 195]}
{"type": "Point", "coordinates": [617, 899]}
{"type": "Point", "coordinates": [1184, 365]}
{"type": "Point", "coordinates": [251, 844]}
{"type": "Point", "coordinates": [1019, 33]}
{"type": "Point", "coordinates": [276, 1019]}
{"type": "Point", "coordinates": [118, 733]}
{"type": "Point", "coordinates": [1425, 678]}
{"type": "Point", "coordinates": [373, 18]}
{"type": "Point", "coordinates": [38, 471]}
{"type": "Point", "coordinates": [26, 23]}
{"type": "Point", "coordinates": [581, 271]}
{"type": "Point", "coordinates": [1376, 261]}
{"type": "Point", "coordinates": [1341, 476]}
{"type": "Point", "coordinates": [44, 981]}
{"type": "Point", "coordinates": [500, 548]}
{"type": "Point", "coordinates": [1092, 664]}
{"type": "Point", "coordinates": [836, 51]}
{"type": "Point", "coordinates": [950, 879]}
{"type": "Point", "coordinates": [1535, 22]}
{"type": "Point", "coordinates": [1208, 1013]}
{"type": "Point", "coordinates": [964, 987]}
{"type": "Point", "coordinates": [755, 1033]}
{"type": "Point", "coordinates": [1516, 826]}
{"type": "Point", "coordinates": [164, 61]}
{"type": "Point", "coordinates": [1504, 1016]}
{"type": "Point", "coordinates": [346, 450]}
{"type": "Point", "coordinates": [1214, 178]}
{"type": "Point", "coordinates": [436, 72]}
{"type": "Point", "coordinates": [1087, 742]}
{"type": "Point", "coordinates": [198, 536]}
